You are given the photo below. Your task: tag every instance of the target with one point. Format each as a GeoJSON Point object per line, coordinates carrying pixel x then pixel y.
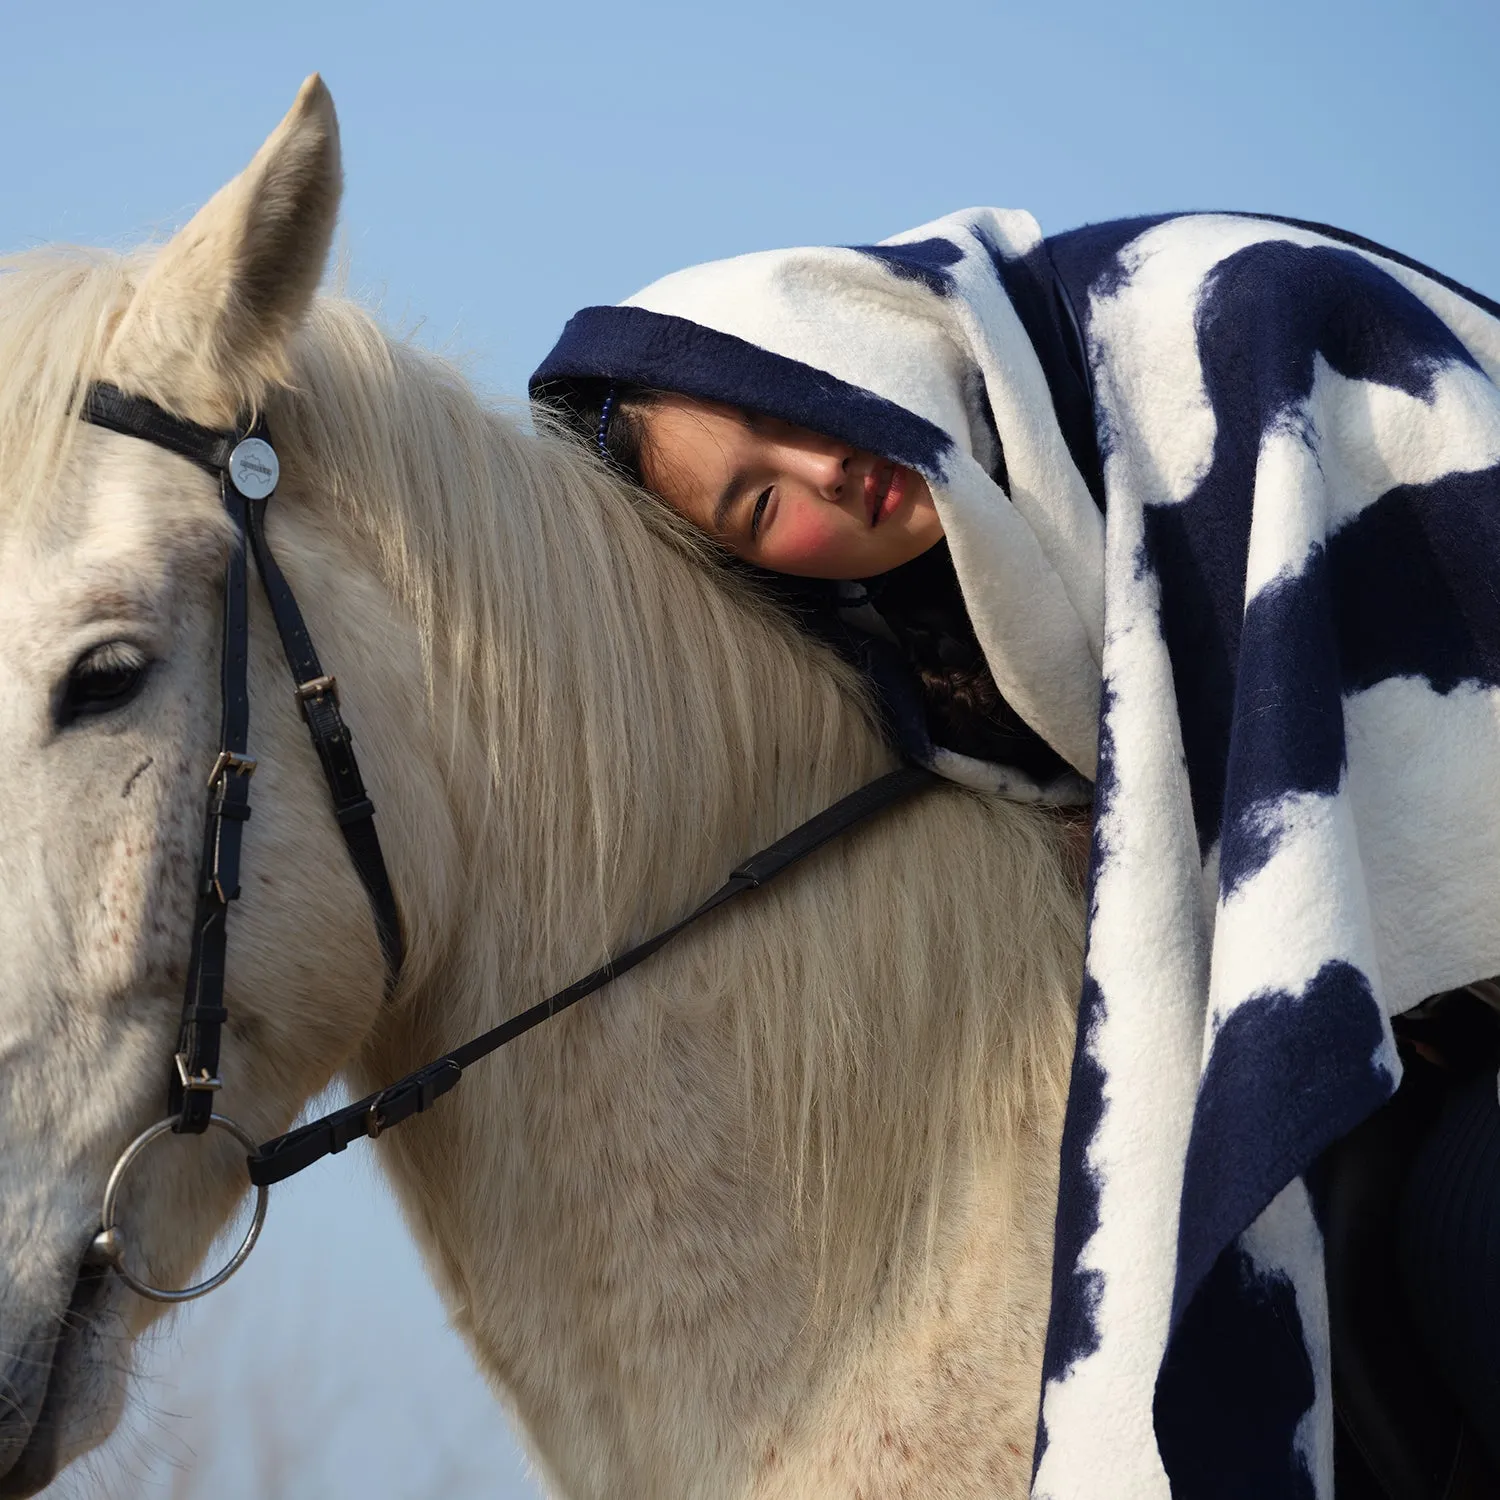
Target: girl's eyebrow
{"type": "Point", "coordinates": [725, 503]}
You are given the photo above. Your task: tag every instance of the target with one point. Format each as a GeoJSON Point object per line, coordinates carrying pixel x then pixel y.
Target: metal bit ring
{"type": "Point", "coordinates": [107, 1248]}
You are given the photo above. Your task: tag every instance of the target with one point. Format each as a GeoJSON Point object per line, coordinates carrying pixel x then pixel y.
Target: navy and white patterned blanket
{"type": "Point", "coordinates": [1223, 496]}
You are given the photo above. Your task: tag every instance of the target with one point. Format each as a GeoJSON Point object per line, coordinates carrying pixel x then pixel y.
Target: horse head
{"type": "Point", "coordinates": [112, 553]}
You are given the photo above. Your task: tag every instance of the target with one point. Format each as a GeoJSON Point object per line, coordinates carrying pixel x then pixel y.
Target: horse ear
{"type": "Point", "coordinates": [208, 331]}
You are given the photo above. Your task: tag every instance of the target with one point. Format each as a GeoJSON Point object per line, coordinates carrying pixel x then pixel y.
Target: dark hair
{"type": "Point", "coordinates": [924, 607]}
{"type": "Point", "coordinates": [920, 601]}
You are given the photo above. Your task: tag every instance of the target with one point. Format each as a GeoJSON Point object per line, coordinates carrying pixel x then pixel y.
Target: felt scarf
{"type": "Point", "coordinates": [1223, 498]}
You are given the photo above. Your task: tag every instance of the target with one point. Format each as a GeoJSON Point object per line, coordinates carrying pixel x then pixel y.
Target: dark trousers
{"type": "Point", "coordinates": [1409, 1203]}
{"type": "Point", "coordinates": [1450, 1250]}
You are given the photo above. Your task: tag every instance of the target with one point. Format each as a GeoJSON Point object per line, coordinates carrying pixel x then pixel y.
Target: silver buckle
{"type": "Point", "coordinates": [204, 1083]}
{"type": "Point", "coordinates": [228, 762]}
{"type": "Point", "coordinates": [314, 686]}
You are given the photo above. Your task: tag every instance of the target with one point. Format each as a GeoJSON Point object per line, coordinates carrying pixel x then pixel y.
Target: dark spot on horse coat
{"type": "Point", "coordinates": [135, 776]}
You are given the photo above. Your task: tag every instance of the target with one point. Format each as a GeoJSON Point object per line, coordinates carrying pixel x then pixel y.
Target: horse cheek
{"type": "Point", "coordinates": [136, 937]}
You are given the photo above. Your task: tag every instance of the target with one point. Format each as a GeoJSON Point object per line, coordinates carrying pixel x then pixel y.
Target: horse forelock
{"type": "Point", "coordinates": [58, 308]}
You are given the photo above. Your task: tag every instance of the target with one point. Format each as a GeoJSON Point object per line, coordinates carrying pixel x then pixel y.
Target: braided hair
{"type": "Point", "coordinates": [611, 414]}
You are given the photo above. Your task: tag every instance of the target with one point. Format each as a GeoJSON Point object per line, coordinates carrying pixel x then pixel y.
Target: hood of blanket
{"type": "Point", "coordinates": [947, 349]}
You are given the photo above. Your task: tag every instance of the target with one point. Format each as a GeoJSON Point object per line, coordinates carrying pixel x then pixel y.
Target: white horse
{"type": "Point", "coordinates": [769, 1217]}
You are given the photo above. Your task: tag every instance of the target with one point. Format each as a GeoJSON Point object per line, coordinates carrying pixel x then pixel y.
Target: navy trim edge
{"type": "Point", "coordinates": [664, 352]}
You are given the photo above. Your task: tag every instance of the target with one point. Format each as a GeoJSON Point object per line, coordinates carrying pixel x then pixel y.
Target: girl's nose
{"type": "Point", "coordinates": [822, 465]}
{"type": "Point", "coordinates": [835, 470]}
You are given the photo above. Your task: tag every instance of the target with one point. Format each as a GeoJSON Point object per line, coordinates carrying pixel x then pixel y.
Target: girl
{"type": "Point", "coordinates": [723, 389]}
{"type": "Point", "coordinates": [1203, 510]}
{"type": "Point", "coordinates": [796, 504]}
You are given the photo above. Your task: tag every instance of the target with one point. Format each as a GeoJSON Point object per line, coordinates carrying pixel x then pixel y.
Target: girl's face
{"type": "Point", "coordinates": [782, 497]}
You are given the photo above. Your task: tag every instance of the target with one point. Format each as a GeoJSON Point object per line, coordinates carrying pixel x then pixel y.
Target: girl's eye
{"type": "Point", "coordinates": [758, 514]}
{"type": "Point", "coordinates": [102, 680]}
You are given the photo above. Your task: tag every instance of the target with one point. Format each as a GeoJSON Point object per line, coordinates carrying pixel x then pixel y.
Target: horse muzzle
{"type": "Point", "coordinates": [34, 1393]}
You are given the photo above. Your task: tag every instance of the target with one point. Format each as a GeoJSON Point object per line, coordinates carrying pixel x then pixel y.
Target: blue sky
{"type": "Point", "coordinates": [507, 164]}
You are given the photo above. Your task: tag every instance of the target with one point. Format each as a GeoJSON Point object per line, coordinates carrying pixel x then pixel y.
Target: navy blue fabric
{"type": "Point", "coordinates": [672, 354]}
{"type": "Point", "coordinates": [1047, 314]}
{"type": "Point", "coordinates": [926, 261]}
{"type": "Point", "coordinates": [1265, 313]}
{"type": "Point", "coordinates": [1288, 716]}
{"type": "Point", "coordinates": [1233, 1389]}
{"type": "Point", "coordinates": [1248, 1141]}
{"type": "Point", "coordinates": [1414, 579]}
{"type": "Point", "coordinates": [1359, 242]}
{"type": "Point", "coordinates": [1087, 260]}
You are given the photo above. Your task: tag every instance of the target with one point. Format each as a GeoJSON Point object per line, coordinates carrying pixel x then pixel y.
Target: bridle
{"type": "Point", "coordinates": [245, 466]}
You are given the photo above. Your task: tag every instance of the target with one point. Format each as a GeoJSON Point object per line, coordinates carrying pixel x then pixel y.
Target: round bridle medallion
{"type": "Point", "coordinates": [108, 1247]}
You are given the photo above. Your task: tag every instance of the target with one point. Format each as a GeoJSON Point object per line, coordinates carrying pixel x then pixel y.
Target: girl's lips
{"type": "Point", "coordinates": [885, 486]}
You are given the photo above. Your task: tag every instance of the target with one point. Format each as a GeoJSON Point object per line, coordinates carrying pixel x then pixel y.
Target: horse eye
{"type": "Point", "coordinates": [102, 680]}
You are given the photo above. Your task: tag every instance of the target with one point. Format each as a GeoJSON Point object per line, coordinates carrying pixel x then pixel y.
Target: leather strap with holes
{"type": "Point", "coordinates": [318, 695]}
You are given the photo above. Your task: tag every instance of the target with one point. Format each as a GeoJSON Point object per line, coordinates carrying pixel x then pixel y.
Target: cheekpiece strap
{"type": "Point", "coordinates": [195, 1080]}
{"type": "Point", "coordinates": [318, 695]}
{"type": "Point", "coordinates": [247, 469]}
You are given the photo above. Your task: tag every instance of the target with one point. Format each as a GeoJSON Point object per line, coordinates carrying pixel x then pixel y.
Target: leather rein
{"type": "Point", "coordinates": [246, 469]}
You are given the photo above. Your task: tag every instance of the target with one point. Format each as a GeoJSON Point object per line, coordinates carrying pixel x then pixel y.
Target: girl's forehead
{"type": "Point", "coordinates": [691, 423]}
{"type": "Point", "coordinates": [699, 434]}
{"type": "Point", "coordinates": [682, 408]}
{"type": "Point", "coordinates": [691, 448]}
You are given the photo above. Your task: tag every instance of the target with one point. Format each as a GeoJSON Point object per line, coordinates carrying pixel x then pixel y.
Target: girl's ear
{"type": "Point", "coordinates": [209, 330]}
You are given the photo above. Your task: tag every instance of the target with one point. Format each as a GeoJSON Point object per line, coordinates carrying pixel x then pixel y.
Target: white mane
{"type": "Point", "coordinates": [483, 530]}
